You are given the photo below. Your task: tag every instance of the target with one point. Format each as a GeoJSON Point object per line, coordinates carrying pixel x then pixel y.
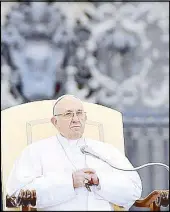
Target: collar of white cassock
{"type": "Point", "coordinates": [70, 143]}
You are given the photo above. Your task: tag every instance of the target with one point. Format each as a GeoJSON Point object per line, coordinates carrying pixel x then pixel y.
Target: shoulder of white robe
{"type": "Point", "coordinates": [44, 141]}
{"type": "Point", "coordinates": [38, 145]}
{"type": "Point", "coordinates": [100, 144]}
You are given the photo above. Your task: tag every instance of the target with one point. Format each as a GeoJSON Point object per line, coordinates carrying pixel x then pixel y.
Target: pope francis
{"type": "Point", "coordinates": [66, 179]}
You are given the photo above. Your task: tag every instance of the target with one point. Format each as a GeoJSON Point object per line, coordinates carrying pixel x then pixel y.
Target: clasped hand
{"type": "Point", "coordinates": [81, 175]}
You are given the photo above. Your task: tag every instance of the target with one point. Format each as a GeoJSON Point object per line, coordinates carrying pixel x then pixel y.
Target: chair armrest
{"type": "Point", "coordinates": [154, 200]}
{"type": "Point", "coordinates": [26, 199]}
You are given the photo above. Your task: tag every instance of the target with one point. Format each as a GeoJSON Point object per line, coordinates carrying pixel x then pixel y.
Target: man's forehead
{"type": "Point", "coordinates": [69, 104]}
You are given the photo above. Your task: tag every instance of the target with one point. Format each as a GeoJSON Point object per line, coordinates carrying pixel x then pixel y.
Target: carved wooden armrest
{"type": "Point", "coordinates": [154, 200]}
{"type": "Point", "coordinates": [26, 199]}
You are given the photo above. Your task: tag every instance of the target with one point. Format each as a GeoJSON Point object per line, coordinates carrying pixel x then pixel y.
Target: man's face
{"type": "Point", "coordinates": [70, 117]}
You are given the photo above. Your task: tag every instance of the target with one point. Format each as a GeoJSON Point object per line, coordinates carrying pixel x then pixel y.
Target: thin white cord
{"type": "Point", "coordinates": [142, 166]}
{"type": "Point", "coordinates": [89, 151]}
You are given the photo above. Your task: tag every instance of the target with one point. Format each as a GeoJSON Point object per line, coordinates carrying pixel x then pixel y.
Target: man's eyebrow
{"type": "Point", "coordinates": [72, 110]}
{"type": "Point", "coordinates": [68, 111]}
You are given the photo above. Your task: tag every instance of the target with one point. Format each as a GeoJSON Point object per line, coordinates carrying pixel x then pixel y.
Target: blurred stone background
{"type": "Point", "coordinates": [114, 53]}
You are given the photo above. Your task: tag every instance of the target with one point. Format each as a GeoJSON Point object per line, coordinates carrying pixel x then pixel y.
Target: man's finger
{"type": "Point", "coordinates": [87, 176]}
{"type": "Point", "coordinates": [95, 179]}
{"type": "Point", "coordinates": [89, 170]}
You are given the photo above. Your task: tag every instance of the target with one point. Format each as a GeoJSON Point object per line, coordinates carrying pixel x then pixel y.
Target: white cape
{"type": "Point", "coordinates": [46, 167]}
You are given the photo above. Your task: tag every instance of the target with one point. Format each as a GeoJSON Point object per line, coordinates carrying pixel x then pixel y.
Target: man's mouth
{"type": "Point", "coordinates": [75, 126]}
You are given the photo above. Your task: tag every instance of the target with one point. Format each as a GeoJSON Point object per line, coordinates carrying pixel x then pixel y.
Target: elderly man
{"type": "Point", "coordinates": [58, 170]}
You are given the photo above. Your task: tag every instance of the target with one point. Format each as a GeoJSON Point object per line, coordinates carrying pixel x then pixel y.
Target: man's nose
{"type": "Point", "coordinates": [75, 117]}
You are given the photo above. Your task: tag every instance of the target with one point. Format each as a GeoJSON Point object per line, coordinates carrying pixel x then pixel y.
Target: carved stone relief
{"type": "Point", "coordinates": [115, 54]}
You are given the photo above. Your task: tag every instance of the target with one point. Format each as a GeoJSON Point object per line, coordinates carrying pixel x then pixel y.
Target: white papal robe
{"type": "Point", "coordinates": [47, 167]}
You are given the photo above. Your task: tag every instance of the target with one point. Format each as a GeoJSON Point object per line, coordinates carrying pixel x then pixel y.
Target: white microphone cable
{"type": "Point", "coordinates": [86, 150]}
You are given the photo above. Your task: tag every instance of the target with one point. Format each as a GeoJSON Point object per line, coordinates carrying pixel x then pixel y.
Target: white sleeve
{"type": "Point", "coordinates": [122, 188]}
{"type": "Point", "coordinates": [51, 189]}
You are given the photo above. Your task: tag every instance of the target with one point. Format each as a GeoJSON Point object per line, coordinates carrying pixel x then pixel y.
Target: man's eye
{"type": "Point", "coordinates": [68, 114]}
{"type": "Point", "coordinates": [79, 113]}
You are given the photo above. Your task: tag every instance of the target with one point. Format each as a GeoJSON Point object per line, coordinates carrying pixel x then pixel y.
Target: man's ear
{"type": "Point", "coordinates": [53, 120]}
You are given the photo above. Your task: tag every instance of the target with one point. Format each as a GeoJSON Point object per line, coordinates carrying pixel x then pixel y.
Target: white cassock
{"type": "Point", "coordinates": [47, 166]}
